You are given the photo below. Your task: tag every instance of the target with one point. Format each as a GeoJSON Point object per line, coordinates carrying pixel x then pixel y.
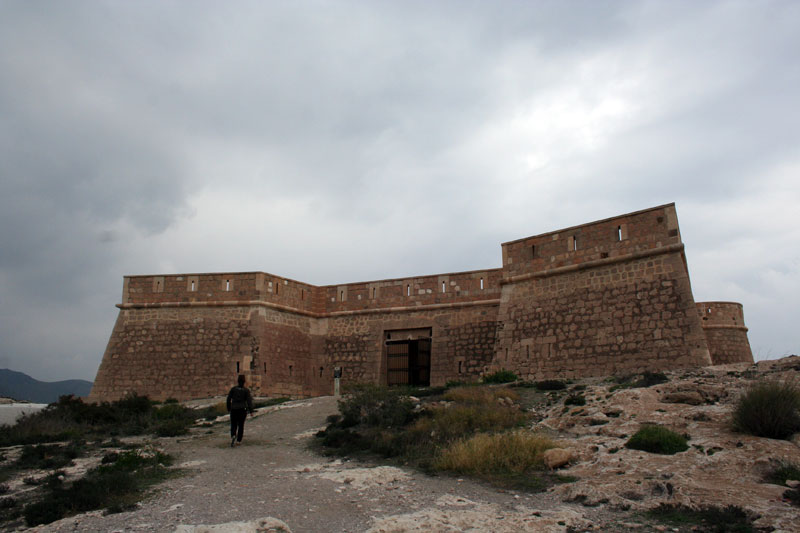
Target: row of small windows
{"type": "Point", "coordinates": [572, 241]}
{"type": "Point", "coordinates": [408, 290]}
{"type": "Point", "coordinates": [193, 286]}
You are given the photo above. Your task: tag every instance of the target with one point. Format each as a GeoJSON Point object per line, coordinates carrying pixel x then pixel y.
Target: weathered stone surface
{"type": "Point", "coordinates": [687, 397]}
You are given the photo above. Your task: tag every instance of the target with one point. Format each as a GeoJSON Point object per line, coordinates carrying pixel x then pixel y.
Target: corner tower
{"type": "Point", "coordinates": [726, 334]}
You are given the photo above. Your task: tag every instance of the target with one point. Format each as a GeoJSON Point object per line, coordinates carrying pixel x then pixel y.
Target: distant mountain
{"type": "Point", "coordinates": [23, 387]}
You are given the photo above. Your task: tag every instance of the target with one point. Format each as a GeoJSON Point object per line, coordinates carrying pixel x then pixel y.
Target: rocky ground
{"type": "Point", "coordinates": [275, 482]}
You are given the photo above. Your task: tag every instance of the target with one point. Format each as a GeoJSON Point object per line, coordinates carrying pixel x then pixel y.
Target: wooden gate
{"type": "Point", "coordinates": [408, 362]}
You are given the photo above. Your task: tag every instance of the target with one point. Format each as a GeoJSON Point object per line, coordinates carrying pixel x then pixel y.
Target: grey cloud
{"type": "Point", "coordinates": [116, 116]}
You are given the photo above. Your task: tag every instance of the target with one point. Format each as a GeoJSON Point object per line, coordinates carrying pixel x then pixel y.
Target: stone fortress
{"type": "Point", "coordinates": [608, 297]}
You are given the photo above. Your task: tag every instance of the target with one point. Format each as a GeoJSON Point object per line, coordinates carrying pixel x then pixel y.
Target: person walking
{"type": "Point", "coordinates": [239, 403]}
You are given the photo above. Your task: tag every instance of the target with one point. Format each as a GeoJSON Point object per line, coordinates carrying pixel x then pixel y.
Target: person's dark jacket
{"type": "Point", "coordinates": [239, 398]}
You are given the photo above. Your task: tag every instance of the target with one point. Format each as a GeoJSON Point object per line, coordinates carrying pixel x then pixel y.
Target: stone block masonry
{"type": "Point", "coordinates": [608, 297]}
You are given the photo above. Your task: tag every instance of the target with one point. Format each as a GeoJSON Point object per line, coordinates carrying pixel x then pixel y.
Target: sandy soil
{"type": "Point", "coordinates": [275, 482]}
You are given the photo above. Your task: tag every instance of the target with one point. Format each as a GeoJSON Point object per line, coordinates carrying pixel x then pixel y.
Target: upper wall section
{"type": "Point", "coordinates": [241, 287]}
{"type": "Point", "coordinates": [456, 288]}
{"type": "Point", "coordinates": [613, 237]}
{"type": "Point", "coordinates": [249, 288]}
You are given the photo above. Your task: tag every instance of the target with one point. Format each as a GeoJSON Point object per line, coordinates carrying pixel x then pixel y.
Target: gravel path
{"type": "Point", "coordinates": [273, 482]}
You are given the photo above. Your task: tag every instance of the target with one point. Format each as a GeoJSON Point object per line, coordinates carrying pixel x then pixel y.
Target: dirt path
{"type": "Point", "coordinates": [274, 480]}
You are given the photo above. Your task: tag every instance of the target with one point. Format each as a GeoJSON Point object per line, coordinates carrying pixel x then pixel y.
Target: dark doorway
{"type": "Point", "coordinates": [408, 362]}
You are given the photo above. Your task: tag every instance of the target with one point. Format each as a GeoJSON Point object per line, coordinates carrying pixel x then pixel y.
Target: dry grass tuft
{"type": "Point", "coordinates": [514, 452]}
{"type": "Point", "coordinates": [479, 395]}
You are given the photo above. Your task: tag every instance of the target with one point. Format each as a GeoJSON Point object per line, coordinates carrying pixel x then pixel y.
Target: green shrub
{"type": "Point", "coordinates": [171, 428]}
{"type": "Point", "coordinates": [769, 409]}
{"type": "Point", "coordinates": [371, 405]}
{"type": "Point", "coordinates": [709, 518]}
{"type": "Point", "coordinates": [649, 379]}
{"type": "Point", "coordinates": [657, 439]}
{"type": "Point", "coordinates": [45, 457]}
{"type": "Point", "coordinates": [783, 471]}
{"type": "Point", "coordinates": [109, 485]}
{"type": "Point", "coordinates": [550, 384]}
{"type": "Point", "coordinates": [501, 376]}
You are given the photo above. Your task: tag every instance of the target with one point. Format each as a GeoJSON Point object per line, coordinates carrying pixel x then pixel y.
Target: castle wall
{"type": "Point", "coordinates": [603, 298]}
{"type": "Point", "coordinates": [173, 352]}
{"type": "Point", "coordinates": [462, 338]}
{"type": "Point", "coordinates": [612, 296]}
{"type": "Point", "coordinates": [726, 334]}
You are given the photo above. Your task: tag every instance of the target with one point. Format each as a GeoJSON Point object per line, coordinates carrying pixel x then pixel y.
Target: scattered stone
{"type": "Point", "coordinates": [687, 397]}
{"type": "Point", "coordinates": [556, 457]}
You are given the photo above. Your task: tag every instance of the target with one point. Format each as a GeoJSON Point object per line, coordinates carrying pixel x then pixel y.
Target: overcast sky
{"type": "Point", "coordinates": [335, 142]}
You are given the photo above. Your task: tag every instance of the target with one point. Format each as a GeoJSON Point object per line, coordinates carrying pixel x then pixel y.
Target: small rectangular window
{"type": "Point", "coordinates": [443, 287]}
{"type": "Point", "coordinates": [192, 288]}
{"type": "Point", "coordinates": [533, 251]}
{"type": "Point", "coordinates": [408, 290]}
{"type": "Point", "coordinates": [619, 233]}
{"type": "Point", "coordinates": [227, 284]}
{"type": "Point", "coordinates": [459, 367]}
{"type": "Point", "coordinates": [290, 370]}
{"type": "Point", "coordinates": [373, 292]}
{"type": "Point", "coordinates": [481, 283]}
{"type": "Point", "coordinates": [237, 367]}
{"type": "Point", "coordinates": [341, 296]}
{"type": "Point", "coordinates": [302, 294]}
{"type": "Point", "coordinates": [265, 368]}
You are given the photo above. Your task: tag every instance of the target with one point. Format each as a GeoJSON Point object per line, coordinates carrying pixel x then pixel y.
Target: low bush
{"type": "Point", "coordinates": [550, 384]}
{"type": "Point", "coordinates": [575, 399]}
{"type": "Point", "coordinates": [384, 421]}
{"type": "Point", "coordinates": [445, 425]}
{"type": "Point", "coordinates": [657, 439]}
{"type": "Point", "coordinates": [705, 518]}
{"type": "Point", "coordinates": [113, 485]}
{"type": "Point", "coordinates": [501, 376]}
{"type": "Point", "coordinates": [649, 379]}
{"type": "Point", "coordinates": [374, 406]}
{"type": "Point", "coordinates": [769, 409]}
{"type": "Point", "coordinates": [45, 457]}
{"type": "Point", "coordinates": [783, 472]}
{"type": "Point", "coordinates": [72, 419]}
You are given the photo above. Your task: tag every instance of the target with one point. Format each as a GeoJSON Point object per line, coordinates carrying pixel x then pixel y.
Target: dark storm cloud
{"type": "Point", "coordinates": [376, 138]}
